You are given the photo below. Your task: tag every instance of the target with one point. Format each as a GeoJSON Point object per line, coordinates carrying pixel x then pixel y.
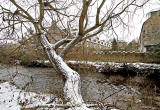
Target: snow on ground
{"type": "Point", "coordinates": [12, 98]}
{"type": "Point", "coordinates": [101, 64]}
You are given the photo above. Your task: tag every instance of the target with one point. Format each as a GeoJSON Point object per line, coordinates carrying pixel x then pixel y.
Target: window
{"type": "Point", "coordinates": [144, 31]}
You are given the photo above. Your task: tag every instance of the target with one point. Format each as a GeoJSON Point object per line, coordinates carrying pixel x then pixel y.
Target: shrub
{"type": "Point", "coordinates": [154, 50]}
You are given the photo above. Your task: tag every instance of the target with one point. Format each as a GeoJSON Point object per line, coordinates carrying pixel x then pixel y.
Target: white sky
{"type": "Point", "coordinates": [141, 15]}
{"type": "Point", "coordinates": [134, 23]}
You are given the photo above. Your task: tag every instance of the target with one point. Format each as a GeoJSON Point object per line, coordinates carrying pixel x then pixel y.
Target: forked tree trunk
{"type": "Point", "coordinates": [72, 85]}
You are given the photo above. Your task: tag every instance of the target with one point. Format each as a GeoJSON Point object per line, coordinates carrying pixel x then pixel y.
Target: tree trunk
{"type": "Point", "coordinates": [72, 84]}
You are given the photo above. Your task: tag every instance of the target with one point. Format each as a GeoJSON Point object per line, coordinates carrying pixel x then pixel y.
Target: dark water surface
{"type": "Point", "coordinates": [128, 93]}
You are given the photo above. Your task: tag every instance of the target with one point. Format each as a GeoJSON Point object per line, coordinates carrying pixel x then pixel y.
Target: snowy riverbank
{"type": "Point", "coordinates": [12, 98]}
{"type": "Point", "coordinates": [137, 65]}
{"type": "Point", "coordinates": [107, 67]}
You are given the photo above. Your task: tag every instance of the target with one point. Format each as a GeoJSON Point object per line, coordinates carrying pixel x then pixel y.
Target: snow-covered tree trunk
{"type": "Point", "coordinates": [72, 84]}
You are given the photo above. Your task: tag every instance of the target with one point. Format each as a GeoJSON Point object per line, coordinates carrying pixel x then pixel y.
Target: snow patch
{"type": "Point", "coordinates": [12, 98]}
{"type": "Point", "coordinates": [102, 64]}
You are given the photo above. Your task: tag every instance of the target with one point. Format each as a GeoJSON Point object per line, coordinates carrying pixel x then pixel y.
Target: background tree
{"type": "Point", "coordinates": [90, 17]}
{"type": "Point", "coordinates": [114, 45]}
{"type": "Point", "coordinates": [154, 50]}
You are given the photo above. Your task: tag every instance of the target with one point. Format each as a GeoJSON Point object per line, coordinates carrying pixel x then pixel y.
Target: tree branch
{"type": "Point", "coordinates": [98, 12]}
{"type": "Point", "coordinates": [25, 12]}
{"type": "Point", "coordinates": [82, 16]}
{"type": "Point", "coordinates": [115, 15]}
{"type": "Point", "coordinates": [41, 9]}
{"type": "Point", "coordinates": [70, 45]}
{"type": "Point", "coordinates": [15, 13]}
{"type": "Point", "coordinates": [61, 42]}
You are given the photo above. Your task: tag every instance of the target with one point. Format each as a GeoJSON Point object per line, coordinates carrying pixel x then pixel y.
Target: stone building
{"type": "Point", "coordinates": [118, 45]}
{"type": "Point", "coordinates": [150, 32]}
{"type": "Point", "coordinates": [121, 44]}
{"type": "Point", "coordinates": [94, 44]}
{"type": "Point", "coordinates": [55, 34]}
{"type": "Point", "coordinates": [132, 46]}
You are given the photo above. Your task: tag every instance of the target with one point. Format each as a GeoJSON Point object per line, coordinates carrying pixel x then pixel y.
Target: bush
{"type": "Point", "coordinates": [31, 59]}
{"type": "Point", "coordinates": [25, 60]}
{"type": "Point", "coordinates": [154, 50]}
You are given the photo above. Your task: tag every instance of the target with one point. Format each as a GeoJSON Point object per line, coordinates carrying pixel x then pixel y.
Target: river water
{"type": "Point", "coordinates": [127, 93]}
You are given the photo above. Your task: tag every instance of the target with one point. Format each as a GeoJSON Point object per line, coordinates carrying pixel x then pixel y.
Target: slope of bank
{"type": "Point", "coordinates": [150, 70]}
{"type": "Point", "coordinates": [103, 67]}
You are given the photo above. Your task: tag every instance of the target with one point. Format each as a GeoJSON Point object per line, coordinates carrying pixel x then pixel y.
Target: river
{"type": "Point", "coordinates": [127, 93]}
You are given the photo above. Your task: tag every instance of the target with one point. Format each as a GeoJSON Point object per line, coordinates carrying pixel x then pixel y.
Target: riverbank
{"type": "Point", "coordinates": [112, 90]}
{"type": "Point", "coordinates": [148, 70]}
{"type": "Point", "coordinates": [12, 98]}
{"type": "Point", "coordinates": [125, 69]}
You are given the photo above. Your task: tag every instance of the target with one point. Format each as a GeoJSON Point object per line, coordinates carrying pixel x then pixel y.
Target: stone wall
{"type": "Point", "coordinates": [120, 57]}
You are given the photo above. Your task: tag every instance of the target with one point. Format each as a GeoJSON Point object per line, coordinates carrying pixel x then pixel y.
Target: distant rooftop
{"type": "Point", "coordinates": [156, 9]}
{"type": "Point", "coordinates": [152, 12]}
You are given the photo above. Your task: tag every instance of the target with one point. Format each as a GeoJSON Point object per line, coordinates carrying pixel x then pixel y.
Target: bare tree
{"type": "Point", "coordinates": [90, 17]}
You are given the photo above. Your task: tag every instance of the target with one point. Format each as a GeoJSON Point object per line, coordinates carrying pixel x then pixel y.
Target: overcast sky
{"type": "Point", "coordinates": [135, 23]}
